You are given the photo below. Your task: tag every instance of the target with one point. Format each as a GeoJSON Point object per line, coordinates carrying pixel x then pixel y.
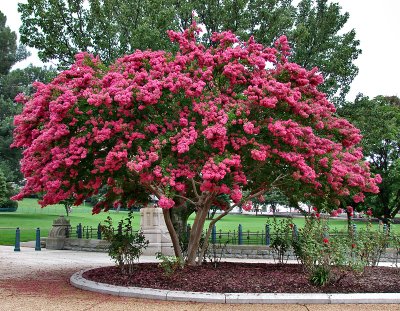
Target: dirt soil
{"type": "Point", "coordinates": [229, 277]}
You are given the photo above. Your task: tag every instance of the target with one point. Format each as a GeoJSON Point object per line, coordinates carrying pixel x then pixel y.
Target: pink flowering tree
{"type": "Point", "coordinates": [236, 119]}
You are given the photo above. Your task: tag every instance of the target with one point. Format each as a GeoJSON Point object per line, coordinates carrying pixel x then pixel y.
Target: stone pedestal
{"type": "Point", "coordinates": [155, 230]}
{"type": "Point", "coordinates": [57, 234]}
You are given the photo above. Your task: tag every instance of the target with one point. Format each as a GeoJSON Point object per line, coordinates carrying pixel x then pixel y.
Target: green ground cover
{"type": "Point", "coordinates": [30, 216]}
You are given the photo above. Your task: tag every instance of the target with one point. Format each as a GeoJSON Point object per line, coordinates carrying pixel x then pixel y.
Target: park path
{"type": "Point", "coordinates": [39, 280]}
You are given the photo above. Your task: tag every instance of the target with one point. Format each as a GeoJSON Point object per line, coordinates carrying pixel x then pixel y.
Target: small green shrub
{"type": "Point", "coordinates": [170, 264]}
{"type": "Point", "coordinates": [320, 276]}
{"type": "Point", "coordinates": [316, 251]}
{"type": "Point", "coordinates": [126, 246]}
{"type": "Point", "coordinates": [371, 244]}
{"type": "Point", "coordinates": [281, 239]}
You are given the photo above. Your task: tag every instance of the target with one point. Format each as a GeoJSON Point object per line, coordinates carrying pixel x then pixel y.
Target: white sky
{"type": "Point", "coordinates": [377, 27]}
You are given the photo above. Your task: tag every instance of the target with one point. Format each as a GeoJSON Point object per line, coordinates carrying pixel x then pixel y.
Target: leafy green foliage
{"type": "Point", "coordinates": [20, 80]}
{"type": "Point", "coordinates": [370, 245]}
{"type": "Point", "coordinates": [319, 41]}
{"type": "Point", "coordinates": [327, 253]}
{"type": "Point", "coordinates": [320, 276]}
{"type": "Point", "coordinates": [10, 53]}
{"type": "Point", "coordinates": [109, 28]}
{"type": "Point", "coordinates": [126, 246]}
{"type": "Point", "coordinates": [112, 28]}
{"type": "Point", "coordinates": [170, 264]}
{"type": "Point", "coordinates": [9, 158]}
{"type": "Point", "coordinates": [281, 240]}
{"type": "Point", "coordinates": [379, 122]}
{"type": "Point", "coordinates": [5, 192]}
{"type": "Point", "coordinates": [16, 81]}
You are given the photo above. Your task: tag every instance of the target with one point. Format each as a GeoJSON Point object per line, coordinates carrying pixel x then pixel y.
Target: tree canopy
{"type": "Point", "coordinates": [111, 28]}
{"type": "Point", "coordinates": [10, 52]}
{"type": "Point", "coordinates": [234, 119]}
{"type": "Point", "coordinates": [16, 81]}
{"type": "Point", "coordinates": [379, 122]}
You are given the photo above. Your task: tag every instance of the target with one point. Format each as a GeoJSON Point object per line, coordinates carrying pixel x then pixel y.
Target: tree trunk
{"type": "Point", "coordinates": [179, 217]}
{"type": "Point", "coordinates": [172, 233]}
{"type": "Point", "coordinates": [195, 234]}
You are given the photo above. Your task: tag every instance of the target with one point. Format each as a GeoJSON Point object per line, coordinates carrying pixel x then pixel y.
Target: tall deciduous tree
{"type": "Point", "coordinates": [319, 40]}
{"type": "Point", "coordinates": [9, 158]}
{"type": "Point", "coordinates": [188, 127]}
{"type": "Point", "coordinates": [108, 28]}
{"type": "Point", "coordinates": [111, 28]}
{"type": "Point", "coordinates": [16, 81]}
{"type": "Point", "coordinates": [379, 122]}
{"type": "Point", "coordinates": [20, 80]}
{"type": "Point", "coordinates": [10, 52]}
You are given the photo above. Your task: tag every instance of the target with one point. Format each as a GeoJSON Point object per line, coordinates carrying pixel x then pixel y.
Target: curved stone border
{"type": "Point", "coordinates": [79, 281]}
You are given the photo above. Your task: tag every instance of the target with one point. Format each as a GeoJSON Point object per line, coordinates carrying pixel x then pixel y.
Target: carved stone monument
{"type": "Point", "coordinates": [155, 230]}
{"type": "Point", "coordinates": [57, 234]}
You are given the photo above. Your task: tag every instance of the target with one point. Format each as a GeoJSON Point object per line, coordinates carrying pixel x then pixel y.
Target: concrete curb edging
{"type": "Point", "coordinates": [79, 281]}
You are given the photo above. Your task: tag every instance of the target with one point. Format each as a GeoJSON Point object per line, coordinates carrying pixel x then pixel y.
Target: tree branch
{"type": "Point", "coordinates": [184, 198]}
{"type": "Point", "coordinates": [226, 212]}
{"type": "Point", "coordinates": [195, 188]}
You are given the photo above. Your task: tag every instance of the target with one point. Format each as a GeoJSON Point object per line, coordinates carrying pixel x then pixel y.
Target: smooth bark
{"type": "Point", "coordinates": [172, 233]}
{"type": "Point", "coordinates": [195, 234]}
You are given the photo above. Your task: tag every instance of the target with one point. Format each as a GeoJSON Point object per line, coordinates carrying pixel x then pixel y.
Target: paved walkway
{"type": "Point", "coordinates": [39, 280]}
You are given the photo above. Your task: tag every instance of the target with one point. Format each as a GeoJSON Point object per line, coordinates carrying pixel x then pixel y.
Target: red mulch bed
{"type": "Point", "coordinates": [249, 278]}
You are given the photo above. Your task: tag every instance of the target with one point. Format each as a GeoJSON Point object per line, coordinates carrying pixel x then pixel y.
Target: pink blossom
{"type": "Point", "coordinates": [350, 210]}
{"type": "Point", "coordinates": [247, 206]}
{"type": "Point", "coordinates": [359, 197]}
{"type": "Point", "coordinates": [165, 202]}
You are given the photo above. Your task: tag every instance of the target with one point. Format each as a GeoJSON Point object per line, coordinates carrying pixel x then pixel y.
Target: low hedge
{"type": "Point", "coordinates": [8, 204]}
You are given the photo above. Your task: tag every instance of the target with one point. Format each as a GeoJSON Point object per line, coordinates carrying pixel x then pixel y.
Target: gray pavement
{"type": "Point", "coordinates": [39, 280]}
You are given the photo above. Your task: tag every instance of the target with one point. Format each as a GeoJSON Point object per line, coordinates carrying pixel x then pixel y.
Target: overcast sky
{"type": "Point", "coordinates": [377, 26]}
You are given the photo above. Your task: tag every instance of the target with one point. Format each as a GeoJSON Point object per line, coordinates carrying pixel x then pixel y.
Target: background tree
{"type": "Point", "coordinates": [21, 80]}
{"type": "Point", "coordinates": [111, 28]}
{"type": "Point", "coordinates": [10, 85]}
{"type": "Point", "coordinates": [10, 53]}
{"type": "Point", "coordinates": [270, 200]}
{"type": "Point", "coordinates": [319, 41]}
{"type": "Point", "coordinates": [6, 191]}
{"type": "Point", "coordinates": [186, 128]}
{"type": "Point", "coordinates": [9, 158]}
{"type": "Point", "coordinates": [379, 122]}
{"type": "Point", "coordinates": [16, 81]}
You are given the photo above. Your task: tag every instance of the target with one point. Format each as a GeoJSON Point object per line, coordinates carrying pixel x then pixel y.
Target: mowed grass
{"type": "Point", "coordinates": [30, 216]}
{"type": "Point", "coordinates": [254, 223]}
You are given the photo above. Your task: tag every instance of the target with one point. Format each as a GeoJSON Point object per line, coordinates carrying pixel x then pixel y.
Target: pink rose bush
{"type": "Point", "coordinates": [237, 119]}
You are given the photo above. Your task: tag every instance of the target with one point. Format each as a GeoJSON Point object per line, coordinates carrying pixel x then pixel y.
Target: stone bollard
{"type": "Point", "coordinates": [57, 234]}
{"type": "Point", "coordinates": [155, 231]}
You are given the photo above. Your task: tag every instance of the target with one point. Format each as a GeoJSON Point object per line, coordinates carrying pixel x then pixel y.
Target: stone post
{"type": "Point", "coordinates": [57, 234]}
{"type": "Point", "coordinates": [155, 230]}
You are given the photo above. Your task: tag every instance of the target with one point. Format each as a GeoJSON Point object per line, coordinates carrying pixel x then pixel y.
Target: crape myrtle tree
{"type": "Point", "coordinates": [234, 119]}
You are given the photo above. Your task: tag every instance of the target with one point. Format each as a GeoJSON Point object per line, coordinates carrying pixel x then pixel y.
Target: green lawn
{"type": "Point", "coordinates": [30, 216]}
{"type": "Point", "coordinates": [257, 223]}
